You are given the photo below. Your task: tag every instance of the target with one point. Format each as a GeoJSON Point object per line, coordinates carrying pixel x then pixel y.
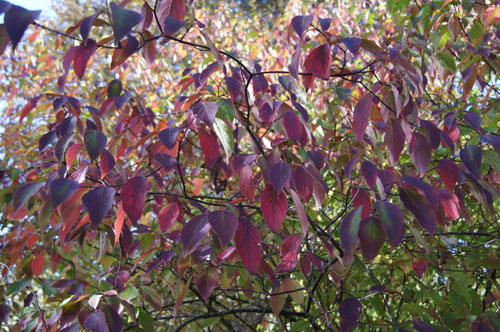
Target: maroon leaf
{"type": "Point", "coordinates": [96, 322]}
{"type": "Point", "coordinates": [418, 205]}
{"type": "Point", "coordinates": [242, 160]}
{"type": "Point", "coordinates": [288, 263]}
{"type": "Point", "coordinates": [95, 142]}
{"type": "Point", "coordinates": [133, 195]}
{"type": "Point", "coordinates": [206, 111]}
{"type": "Point", "coordinates": [370, 173]}
{"type": "Point", "coordinates": [362, 198]}
{"type": "Point", "coordinates": [304, 182]}
{"type": "Point", "coordinates": [349, 230]}
{"type": "Point", "coordinates": [114, 320]}
{"type": "Point", "coordinates": [293, 127]}
{"type": "Point", "coordinates": [82, 56]}
{"type": "Point", "coordinates": [269, 271]}
{"type": "Point", "coordinates": [349, 310]}
{"type": "Point", "coordinates": [449, 173]}
{"type": "Point", "coordinates": [167, 162]}
{"type": "Point", "coordinates": [318, 62]}
{"type": "Point", "coordinates": [98, 202]}
{"type": "Point", "coordinates": [392, 221]}
{"type": "Point", "coordinates": [352, 44]}
{"type": "Point", "coordinates": [472, 156]}
{"type": "Point", "coordinates": [61, 190]}
{"type": "Point", "coordinates": [169, 137]}
{"type": "Point", "coordinates": [301, 23]}
{"type": "Point", "coordinates": [107, 162]}
{"type": "Point", "coordinates": [361, 116]}
{"type": "Point", "coordinates": [120, 55]}
{"type": "Point", "coordinates": [371, 236]}
{"type": "Point", "coordinates": [17, 19]}
{"type": "Point", "coordinates": [46, 139]}
{"type": "Point", "coordinates": [450, 203]}
{"type": "Point", "coordinates": [209, 146]}
{"type": "Point", "coordinates": [291, 245]}
{"type": "Point", "coordinates": [123, 21]}
{"type": "Point", "coordinates": [420, 152]}
{"type": "Point", "coordinates": [474, 120]}
{"type": "Point", "coordinates": [168, 215]}
{"type": "Point", "coordinates": [224, 223]}
{"type": "Point", "coordinates": [24, 193]}
{"type": "Point", "coordinates": [247, 239]}
{"type": "Point", "coordinates": [316, 261]}
{"type": "Point", "coordinates": [173, 8]}
{"type": "Point", "coordinates": [245, 182]}
{"type": "Point", "coordinates": [433, 133]}
{"type": "Point", "coordinates": [206, 282]}
{"type": "Point", "coordinates": [419, 267]}
{"type": "Point", "coordinates": [279, 175]}
{"type": "Point", "coordinates": [394, 139]}
{"type": "Point", "coordinates": [274, 206]}
{"type": "Point", "coordinates": [193, 232]}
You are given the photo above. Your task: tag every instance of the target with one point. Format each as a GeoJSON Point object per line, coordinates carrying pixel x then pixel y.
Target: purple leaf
{"type": "Point", "coordinates": [370, 173]}
{"type": "Point", "coordinates": [474, 120]}
{"type": "Point", "coordinates": [24, 193]}
{"type": "Point", "coordinates": [95, 142]}
{"type": "Point", "coordinates": [61, 190]}
{"type": "Point", "coordinates": [193, 232]}
{"type": "Point", "coordinates": [96, 322]}
{"type": "Point", "coordinates": [349, 228]}
{"type": "Point", "coordinates": [207, 281]}
{"type": "Point", "coordinates": [4, 312]}
{"type": "Point", "coordinates": [318, 62]}
{"type": "Point", "coordinates": [361, 116]}
{"type": "Point", "coordinates": [317, 158]}
{"type": "Point", "coordinates": [45, 140]}
{"type": "Point", "coordinates": [68, 125]}
{"type": "Point", "coordinates": [168, 215]}
{"type": "Point", "coordinates": [352, 44]}
{"type": "Point", "coordinates": [243, 160]}
{"type": "Point", "coordinates": [371, 236]}
{"type": "Point", "coordinates": [247, 239]}
{"type": "Point", "coordinates": [349, 310]}
{"type": "Point", "coordinates": [279, 175]}
{"type": "Point", "coordinates": [169, 137]}
{"type": "Point", "coordinates": [293, 127]}
{"type": "Point", "coordinates": [423, 212]}
{"type": "Point", "coordinates": [304, 182]}
{"type": "Point", "coordinates": [107, 162]}
{"type": "Point", "coordinates": [472, 156]}
{"type": "Point", "coordinates": [224, 223]}
{"type": "Point", "coordinates": [274, 206]}
{"type": "Point", "coordinates": [420, 152]}
{"type": "Point", "coordinates": [62, 145]}
{"type": "Point", "coordinates": [83, 52]}
{"type": "Point", "coordinates": [167, 162]}
{"type": "Point", "coordinates": [392, 221]}
{"type": "Point", "coordinates": [301, 110]}
{"type": "Point", "coordinates": [422, 326]}
{"type": "Point", "coordinates": [98, 202]}
{"type": "Point", "coordinates": [493, 140]}
{"type": "Point", "coordinates": [206, 111]}
{"type": "Point", "coordinates": [114, 320]}
{"type": "Point", "coordinates": [427, 189]}
{"type": "Point", "coordinates": [394, 139]}
{"type": "Point", "coordinates": [348, 167]}
{"type": "Point", "coordinates": [301, 23]}
{"type": "Point", "coordinates": [171, 25]}
{"type": "Point", "coordinates": [433, 133]}
{"type": "Point", "coordinates": [133, 195]}
{"type": "Point", "coordinates": [123, 21]}
{"type": "Point", "coordinates": [17, 19]}
{"type": "Point", "coordinates": [324, 23]}
{"type": "Point", "coordinates": [233, 86]}
{"type": "Point", "coordinates": [86, 25]}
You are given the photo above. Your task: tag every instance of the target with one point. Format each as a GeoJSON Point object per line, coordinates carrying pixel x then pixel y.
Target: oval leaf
{"type": "Point", "coordinates": [224, 223]}
{"type": "Point", "coordinates": [371, 236]}
{"type": "Point", "coordinates": [472, 156]}
{"type": "Point", "coordinates": [123, 21]}
{"type": "Point", "coordinates": [392, 221]}
{"type": "Point", "coordinates": [274, 206]}
{"type": "Point", "coordinates": [24, 193]}
{"type": "Point", "coordinates": [95, 142]}
{"type": "Point", "coordinates": [193, 232]}
{"type": "Point", "coordinates": [98, 202]}
{"type": "Point", "coordinates": [247, 239]}
{"type": "Point", "coordinates": [349, 230]}
{"type": "Point", "coordinates": [61, 190]}
{"type": "Point", "coordinates": [279, 175]}
{"type": "Point", "coordinates": [361, 116]}
{"type": "Point", "coordinates": [133, 195]}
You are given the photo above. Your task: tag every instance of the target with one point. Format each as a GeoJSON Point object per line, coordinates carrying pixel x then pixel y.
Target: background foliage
{"type": "Point", "coordinates": [250, 165]}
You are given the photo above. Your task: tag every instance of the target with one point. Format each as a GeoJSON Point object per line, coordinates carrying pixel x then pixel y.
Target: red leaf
{"type": "Point", "coordinates": [427, 189]}
{"type": "Point", "coordinates": [450, 203]}
{"type": "Point", "coordinates": [279, 175]}
{"type": "Point", "coordinates": [362, 199]}
{"type": "Point", "coordinates": [361, 116]}
{"type": "Point", "coordinates": [150, 50]}
{"type": "Point", "coordinates": [37, 265]}
{"type": "Point", "coordinates": [168, 215]}
{"type": "Point", "coordinates": [291, 245]}
{"type": "Point", "coordinates": [419, 266]}
{"type": "Point", "coordinates": [72, 152]}
{"type": "Point", "coordinates": [120, 218]}
{"type": "Point", "coordinates": [224, 223]}
{"type": "Point", "coordinates": [133, 195]}
{"type": "Point", "coordinates": [394, 140]}
{"type": "Point", "coordinates": [210, 147]}
{"type": "Point", "coordinates": [28, 108]}
{"type": "Point", "coordinates": [304, 222]}
{"type": "Point", "coordinates": [288, 263]}
{"type": "Point", "coordinates": [449, 173]}
{"type": "Point", "coordinates": [120, 55]}
{"type": "Point", "coordinates": [173, 8]}
{"type": "Point", "coordinates": [420, 152]}
{"type": "Point", "coordinates": [247, 240]}
{"type": "Point", "coordinates": [206, 282]}
{"type": "Point", "coordinates": [82, 56]}
{"type": "Point", "coordinates": [417, 205]}
{"type": "Point", "coordinates": [245, 181]}
{"type": "Point", "coordinates": [293, 127]}
{"type": "Point", "coordinates": [193, 232]}
{"type": "Point", "coordinates": [274, 206]}
{"type": "Point", "coordinates": [304, 182]}
{"type": "Point", "coordinates": [349, 310]}
{"type": "Point", "coordinates": [107, 162]}
{"type": "Point", "coordinates": [318, 62]}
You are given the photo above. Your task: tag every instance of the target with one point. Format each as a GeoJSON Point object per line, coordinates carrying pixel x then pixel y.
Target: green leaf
{"type": "Point", "coordinates": [225, 135]}
{"type": "Point", "coordinates": [227, 109]}
{"type": "Point", "coordinates": [301, 325]}
{"type": "Point", "coordinates": [146, 321]}
{"type": "Point", "coordinates": [129, 293]}
{"type": "Point", "coordinates": [476, 31]}
{"type": "Point", "coordinates": [447, 61]}
{"type": "Point", "coordinates": [493, 159]}
{"type": "Point", "coordinates": [17, 286]}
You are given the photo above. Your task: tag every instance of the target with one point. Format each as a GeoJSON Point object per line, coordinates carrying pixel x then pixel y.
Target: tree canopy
{"type": "Point", "coordinates": [183, 165]}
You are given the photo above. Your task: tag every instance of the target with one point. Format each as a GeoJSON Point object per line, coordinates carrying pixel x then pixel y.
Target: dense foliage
{"type": "Point", "coordinates": [295, 165]}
